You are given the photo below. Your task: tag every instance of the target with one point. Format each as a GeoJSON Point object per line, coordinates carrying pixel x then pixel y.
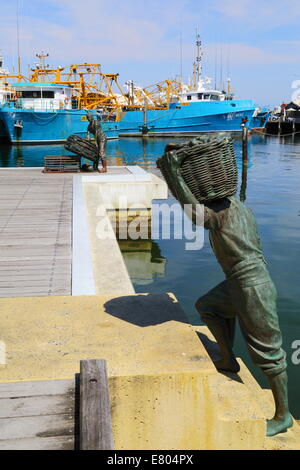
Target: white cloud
{"type": "Point", "coordinates": [257, 14]}
{"type": "Point", "coordinates": [137, 36]}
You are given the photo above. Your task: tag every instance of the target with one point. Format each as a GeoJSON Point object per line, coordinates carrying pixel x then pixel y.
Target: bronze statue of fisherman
{"type": "Point", "coordinates": [95, 128]}
{"type": "Point", "coordinates": [248, 293]}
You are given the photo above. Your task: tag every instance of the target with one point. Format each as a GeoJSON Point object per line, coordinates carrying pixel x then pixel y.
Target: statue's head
{"type": "Point", "coordinates": [89, 116]}
{"type": "Point", "coordinates": [92, 122]}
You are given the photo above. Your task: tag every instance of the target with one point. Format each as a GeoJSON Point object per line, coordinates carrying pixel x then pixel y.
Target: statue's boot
{"type": "Point", "coordinates": [104, 166]}
{"type": "Point", "coordinates": [282, 419]}
{"type": "Point", "coordinates": [223, 331]}
{"type": "Point", "coordinates": [96, 164]}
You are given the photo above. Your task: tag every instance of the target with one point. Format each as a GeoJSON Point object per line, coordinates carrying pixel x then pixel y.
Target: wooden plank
{"type": "Point", "coordinates": [95, 412]}
{"type": "Point", "coordinates": [33, 291]}
{"type": "Point", "coordinates": [37, 406]}
{"type": "Point", "coordinates": [15, 281]}
{"type": "Point", "coordinates": [39, 443]}
{"type": "Point", "coordinates": [35, 274]}
{"type": "Point", "coordinates": [38, 415]}
{"type": "Point", "coordinates": [20, 259]}
{"type": "Point", "coordinates": [36, 388]}
{"type": "Point", "coordinates": [35, 230]}
{"type": "Point", "coordinates": [37, 426]}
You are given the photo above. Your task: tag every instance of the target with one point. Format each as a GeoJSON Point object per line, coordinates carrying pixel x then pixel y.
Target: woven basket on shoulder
{"type": "Point", "coordinates": [208, 168]}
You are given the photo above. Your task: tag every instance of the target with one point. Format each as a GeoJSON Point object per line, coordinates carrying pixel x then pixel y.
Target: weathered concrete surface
{"type": "Point", "coordinates": [241, 408]}
{"type": "Point", "coordinates": [110, 273]}
{"type": "Point", "coordinates": [155, 361]}
{"type": "Point", "coordinates": [137, 334]}
{"type": "Point", "coordinates": [135, 195]}
{"type": "Point", "coordinates": [165, 391]}
{"type": "Point", "coordinates": [127, 200]}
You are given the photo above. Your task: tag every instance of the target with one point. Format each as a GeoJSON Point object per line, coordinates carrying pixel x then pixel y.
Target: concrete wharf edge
{"type": "Point", "coordinates": [164, 388]}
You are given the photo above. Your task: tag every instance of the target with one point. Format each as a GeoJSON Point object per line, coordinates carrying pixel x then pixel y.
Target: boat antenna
{"type": "Point", "coordinates": [18, 40]}
{"type": "Point", "coordinates": [221, 68]}
{"type": "Point", "coordinates": [180, 45]}
{"type": "Point", "coordinates": [42, 56]}
{"type": "Point", "coordinates": [215, 66]}
{"type": "Point", "coordinates": [199, 56]}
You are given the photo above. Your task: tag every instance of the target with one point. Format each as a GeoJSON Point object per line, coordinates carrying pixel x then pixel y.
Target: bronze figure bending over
{"type": "Point", "coordinates": [248, 292]}
{"type": "Point", "coordinates": [95, 128]}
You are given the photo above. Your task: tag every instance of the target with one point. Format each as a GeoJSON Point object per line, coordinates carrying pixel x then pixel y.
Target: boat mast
{"type": "Point", "coordinates": [18, 43]}
{"type": "Point", "coordinates": [198, 65]}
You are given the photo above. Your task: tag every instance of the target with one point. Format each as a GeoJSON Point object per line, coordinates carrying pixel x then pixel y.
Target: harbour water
{"type": "Point", "coordinates": [273, 193]}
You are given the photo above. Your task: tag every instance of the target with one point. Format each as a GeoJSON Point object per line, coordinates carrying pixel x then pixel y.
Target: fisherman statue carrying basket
{"type": "Point", "coordinates": [202, 175]}
{"type": "Point", "coordinates": [88, 149]}
{"type": "Point", "coordinates": [95, 128]}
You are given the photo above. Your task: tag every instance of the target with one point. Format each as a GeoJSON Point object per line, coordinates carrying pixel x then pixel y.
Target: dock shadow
{"type": "Point", "coordinates": [213, 351]}
{"type": "Point", "coordinates": [146, 310]}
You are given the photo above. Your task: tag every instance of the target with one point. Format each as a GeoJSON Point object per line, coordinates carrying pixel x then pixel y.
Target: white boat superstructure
{"type": "Point", "coordinates": [42, 96]}
{"type": "Point", "coordinates": [6, 91]}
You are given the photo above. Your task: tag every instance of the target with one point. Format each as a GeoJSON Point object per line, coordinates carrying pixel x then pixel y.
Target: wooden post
{"type": "Point", "coordinates": [145, 127]}
{"type": "Point", "coordinates": [95, 413]}
{"type": "Point", "coordinates": [245, 143]}
{"type": "Point", "coordinates": [245, 164]}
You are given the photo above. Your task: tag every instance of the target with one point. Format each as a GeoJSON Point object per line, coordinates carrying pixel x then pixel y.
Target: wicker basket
{"type": "Point", "coordinates": [208, 168]}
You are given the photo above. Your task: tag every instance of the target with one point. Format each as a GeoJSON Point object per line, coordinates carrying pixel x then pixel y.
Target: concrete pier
{"type": "Point", "coordinates": [49, 243]}
{"type": "Point", "coordinates": [74, 300]}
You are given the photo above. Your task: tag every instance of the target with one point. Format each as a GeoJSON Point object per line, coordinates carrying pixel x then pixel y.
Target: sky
{"type": "Point", "coordinates": [254, 42]}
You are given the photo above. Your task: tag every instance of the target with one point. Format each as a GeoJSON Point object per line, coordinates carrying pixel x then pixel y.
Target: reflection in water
{"type": "Point", "coordinates": [244, 179]}
{"type": "Point", "coordinates": [19, 161]}
{"type": "Point", "coordinates": [6, 155]}
{"type": "Point", "coordinates": [143, 260]}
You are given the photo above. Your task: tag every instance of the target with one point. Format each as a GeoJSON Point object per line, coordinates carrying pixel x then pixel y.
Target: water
{"type": "Point", "coordinates": [273, 192]}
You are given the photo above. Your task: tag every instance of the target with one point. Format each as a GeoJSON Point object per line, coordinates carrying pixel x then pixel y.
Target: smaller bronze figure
{"type": "Point", "coordinates": [100, 140]}
{"type": "Point", "coordinates": [198, 172]}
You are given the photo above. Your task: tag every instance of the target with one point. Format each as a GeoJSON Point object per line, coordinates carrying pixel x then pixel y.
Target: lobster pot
{"type": "Point", "coordinates": [208, 167]}
{"type": "Point", "coordinates": [82, 147]}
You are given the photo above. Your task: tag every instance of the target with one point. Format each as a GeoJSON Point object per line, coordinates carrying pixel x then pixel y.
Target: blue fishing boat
{"type": "Point", "coordinates": [192, 109]}
{"type": "Point", "coordinates": [5, 94]}
{"type": "Point", "coordinates": [43, 112]}
{"type": "Point", "coordinates": [192, 114]}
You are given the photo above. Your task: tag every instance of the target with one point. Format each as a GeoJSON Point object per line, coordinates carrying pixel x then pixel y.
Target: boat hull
{"type": "Point", "coordinates": [3, 131]}
{"type": "Point", "coordinates": [192, 118]}
{"type": "Point", "coordinates": [28, 126]}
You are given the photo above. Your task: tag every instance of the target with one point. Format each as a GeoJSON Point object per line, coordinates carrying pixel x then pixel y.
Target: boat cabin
{"type": "Point", "coordinates": [43, 96]}
{"type": "Point", "coordinates": [6, 93]}
{"type": "Point", "coordinates": [205, 95]}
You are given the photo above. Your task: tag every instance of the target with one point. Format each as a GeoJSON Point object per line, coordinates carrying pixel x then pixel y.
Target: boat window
{"type": "Point", "coordinates": [37, 94]}
{"type": "Point", "coordinates": [214, 97]}
{"type": "Point", "coordinates": [189, 97]}
{"type": "Point", "coordinates": [200, 96]}
{"type": "Point", "coordinates": [206, 97]}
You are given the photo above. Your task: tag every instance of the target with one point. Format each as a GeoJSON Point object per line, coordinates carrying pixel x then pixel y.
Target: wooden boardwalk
{"type": "Point", "coordinates": [35, 233]}
{"type": "Point", "coordinates": [58, 414]}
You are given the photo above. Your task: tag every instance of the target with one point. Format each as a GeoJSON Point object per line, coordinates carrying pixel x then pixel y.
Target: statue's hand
{"type": "Point", "coordinates": [171, 162]}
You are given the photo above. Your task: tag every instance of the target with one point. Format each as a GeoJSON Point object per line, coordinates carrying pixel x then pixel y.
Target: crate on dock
{"type": "Point", "coordinates": [62, 163]}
